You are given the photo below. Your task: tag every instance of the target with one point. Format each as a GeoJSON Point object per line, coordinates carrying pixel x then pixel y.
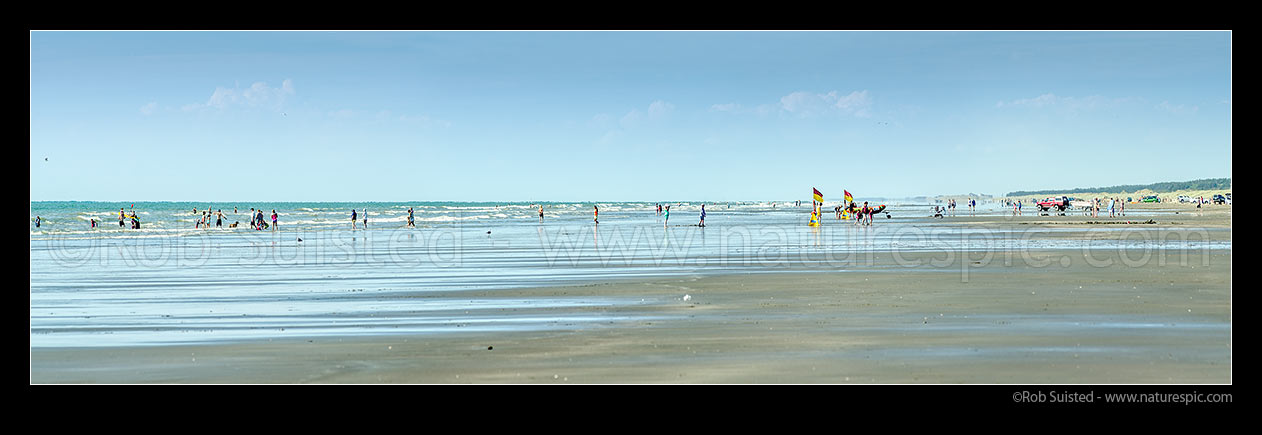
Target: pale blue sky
{"type": "Point", "coordinates": [610, 116]}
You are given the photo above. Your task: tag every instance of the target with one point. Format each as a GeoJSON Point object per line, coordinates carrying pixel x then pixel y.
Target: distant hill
{"type": "Point", "coordinates": [1169, 186]}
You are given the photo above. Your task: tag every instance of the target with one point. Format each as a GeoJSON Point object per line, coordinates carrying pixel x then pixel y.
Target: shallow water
{"type": "Point", "coordinates": [170, 283]}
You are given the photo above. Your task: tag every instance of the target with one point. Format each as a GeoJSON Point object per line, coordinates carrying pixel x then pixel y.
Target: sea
{"type": "Point", "coordinates": [315, 274]}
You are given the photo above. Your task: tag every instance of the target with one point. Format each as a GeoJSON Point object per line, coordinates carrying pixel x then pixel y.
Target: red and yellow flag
{"type": "Point", "coordinates": [849, 199]}
{"type": "Point", "coordinates": [819, 197]}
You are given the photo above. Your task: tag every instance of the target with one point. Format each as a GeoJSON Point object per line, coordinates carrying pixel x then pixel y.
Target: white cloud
{"type": "Point", "coordinates": [1039, 101]}
{"type": "Point", "coordinates": [602, 119]}
{"type": "Point", "coordinates": [1071, 103]}
{"type": "Point", "coordinates": [856, 103]}
{"type": "Point", "coordinates": [631, 119]}
{"type": "Point", "coordinates": [729, 107]}
{"type": "Point", "coordinates": [257, 95]}
{"type": "Point", "coordinates": [802, 103]}
{"type": "Point", "coordinates": [657, 112]}
{"type": "Point", "coordinates": [149, 108]}
{"type": "Point", "coordinates": [610, 137]}
{"type": "Point", "coordinates": [660, 109]}
{"type": "Point", "coordinates": [1176, 109]}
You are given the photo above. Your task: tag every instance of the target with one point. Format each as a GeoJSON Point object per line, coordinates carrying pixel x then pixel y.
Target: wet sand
{"type": "Point", "coordinates": [1044, 317]}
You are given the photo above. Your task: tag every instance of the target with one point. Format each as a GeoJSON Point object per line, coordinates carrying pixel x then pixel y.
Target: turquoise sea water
{"type": "Point", "coordinates": [313, 275]}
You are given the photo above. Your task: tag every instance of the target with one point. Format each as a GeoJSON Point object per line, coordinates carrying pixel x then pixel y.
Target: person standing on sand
{"type": "Point", "coordinates": [365, 218]}
{"type": "Point", "coordinates": [596, 214]}
{"type": "Point", "coordinates": [702, 224]}
{"type": "Point", "coordinates": [412, 224]}
{"type": "Point", "coordinates": [121, 217]}
{"type": "Point", "coordinates": [666, 222]}
{"type": "Point", "coordinates": [353, 217]}
{"type": "Point", "coordinates": [273, 219]}
{"type": "Point", "coordinates": [540, 212]}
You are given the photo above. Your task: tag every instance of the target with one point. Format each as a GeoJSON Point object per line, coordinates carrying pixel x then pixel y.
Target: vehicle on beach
{"type": "Point", "coordinates": [1219, 199]}
{"type": "Point", "coordinates": [1060, 204]}
{"type": "Point", "coordinates": [1150, 198]}
{"type": "Point", "coordinates": [1185, 198]}
{"type": "Point", "coordinates": [1229, 198]}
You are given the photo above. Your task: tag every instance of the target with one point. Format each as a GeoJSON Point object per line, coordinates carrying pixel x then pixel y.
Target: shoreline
{"type": "Point", "coordinates": [1156, 314]}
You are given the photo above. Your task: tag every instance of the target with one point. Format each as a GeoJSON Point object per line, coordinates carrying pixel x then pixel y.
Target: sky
{"type": "Point", "coordinates": [619, 116]}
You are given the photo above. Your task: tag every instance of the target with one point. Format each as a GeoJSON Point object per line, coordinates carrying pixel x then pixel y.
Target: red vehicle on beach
{"type": "Point", "coordinates": [1060, 204]}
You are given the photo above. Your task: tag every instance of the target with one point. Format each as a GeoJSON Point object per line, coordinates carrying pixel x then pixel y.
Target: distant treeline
{"type": "Point", "coordinates": [1169, 186]}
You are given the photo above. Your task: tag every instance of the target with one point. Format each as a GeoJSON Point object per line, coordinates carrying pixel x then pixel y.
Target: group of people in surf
{"type": "Point", "coordinates": [257, 220]}
{"type": "Point", "coordinates": [135, 222]}
{"type": "Point", "coordinates": [665, 213]}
